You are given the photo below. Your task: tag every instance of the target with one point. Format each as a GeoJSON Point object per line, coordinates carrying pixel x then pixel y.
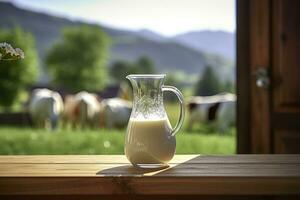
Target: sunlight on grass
{"type": "Point", "coordinates": [37, 141]}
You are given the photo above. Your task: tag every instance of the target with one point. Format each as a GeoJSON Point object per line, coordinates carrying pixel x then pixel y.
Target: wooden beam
{"type": "Point", "coordinates": [243, 78]}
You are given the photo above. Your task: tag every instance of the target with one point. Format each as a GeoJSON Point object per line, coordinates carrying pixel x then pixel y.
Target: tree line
{"type": "Point", "coordinates": [78, 61]}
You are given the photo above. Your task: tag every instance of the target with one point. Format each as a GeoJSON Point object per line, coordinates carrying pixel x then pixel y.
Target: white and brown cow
{"type": "Point", "coordinates": [45, 108]}
{"type": "Point", "coordinates": [82, 110]}
{"type": "Point", "coordinates": [219, 109]}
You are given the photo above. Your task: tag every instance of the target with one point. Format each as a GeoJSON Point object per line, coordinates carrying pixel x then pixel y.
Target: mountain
{"type": "Point", "coordinates": [215, 42]}
{"type": "Point", "coordinates": [218, 42]}
{"type": "Point", "coordinates": [167, 55]}
{"type": "Point", "coordinates": [151, 35]}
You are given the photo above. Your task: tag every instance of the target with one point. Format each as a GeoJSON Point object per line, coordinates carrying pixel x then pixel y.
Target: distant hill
{"type": "Point", "coordinates": [128, 45]}
{"type": "Point", "coordinates": [215, 42]}
{"type": "Point", "coordinates": [218, 42]}
{"type": "Point", "coordinates": [151, 35]}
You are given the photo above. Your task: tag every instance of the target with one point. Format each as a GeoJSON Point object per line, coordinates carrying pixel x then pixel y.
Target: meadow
{"type": "Point", "coordinates": [27, 141]}
{"type": "Point", "coordinates": [203, 139]}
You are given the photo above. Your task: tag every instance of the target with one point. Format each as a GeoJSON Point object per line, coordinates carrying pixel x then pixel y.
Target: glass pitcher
{"type": "Point", "coordinates": [150, 140]}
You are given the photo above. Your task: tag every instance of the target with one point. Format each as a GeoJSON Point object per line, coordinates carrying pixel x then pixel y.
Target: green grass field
{"type": "Point", "coordinates": [37, 141]}
{"type": "Point", "coordinates": [203, 139]}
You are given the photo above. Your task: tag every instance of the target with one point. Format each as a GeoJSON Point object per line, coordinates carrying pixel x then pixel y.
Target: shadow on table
{"type": "Point", "coordinates": [129, 170]}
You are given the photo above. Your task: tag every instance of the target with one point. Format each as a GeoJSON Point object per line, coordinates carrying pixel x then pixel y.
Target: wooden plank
{"type": "Point", "coordinates": [260, 59]}
{"type": "Point", "coordinates": [180, 170]}
{"type": "Point", "coordinates": [286, 45]}
{"type": "Point", "coordinates": [149, 186]}
{"type": "Point", "coordinates": [243, 77]}
{"type": "Point", "coordinates": [287, 141]}
{"type": "Point", "coordinates": [121, 159]}
{"type": "Point", "coordinates": [139, 197]}
{"type": "Point", "coordinates": [253, 52]}
{"type": "Point", "coordinates": [118, 159]}
{"type": "Point", "coordinates": [285, 75]}
{"type": "Point", "coordinates": [187, 175]}
{"type": "Point", "coordinates": [286, 121]}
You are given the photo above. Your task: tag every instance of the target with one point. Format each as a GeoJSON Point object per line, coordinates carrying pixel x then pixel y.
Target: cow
{"type": "Point", "coordinates": [45, 108]}
{"type": "Point", "coordinates": [125, 92]}
{"type": "Point", "coordinates": [226, 115]}
{"type": "Point", "coordinates": [82, 110]}
{"type": "Point", "coordinates": [69, 116]}
{"type": "Point", "coordinates": [115, 113]}
{"type": "Point", "coordinates": [218, 109]}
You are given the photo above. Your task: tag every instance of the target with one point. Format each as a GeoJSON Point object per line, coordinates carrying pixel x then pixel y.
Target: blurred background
{"type": "Point", "coordinates": [78, 50]}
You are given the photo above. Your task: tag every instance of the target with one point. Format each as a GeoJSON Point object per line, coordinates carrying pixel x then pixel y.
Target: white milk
{"type": "Point", "coordinates": [149, 141]}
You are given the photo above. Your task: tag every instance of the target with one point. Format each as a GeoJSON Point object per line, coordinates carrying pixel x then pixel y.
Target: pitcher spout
{"type": "Point", "coordinates": [128, 77]}
{"type": "Point", "coordinates": [146, 76]}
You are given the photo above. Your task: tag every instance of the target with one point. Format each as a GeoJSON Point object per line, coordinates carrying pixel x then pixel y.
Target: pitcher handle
{"type": "Point", "coordinates": [182, 108]}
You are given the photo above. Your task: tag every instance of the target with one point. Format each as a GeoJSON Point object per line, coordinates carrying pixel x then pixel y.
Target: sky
{"type": "Point", "coordinates": [167, 17]}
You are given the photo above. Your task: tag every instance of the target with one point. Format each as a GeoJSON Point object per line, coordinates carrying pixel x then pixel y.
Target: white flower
{"type": "Point", "coordinates": [7, 52]}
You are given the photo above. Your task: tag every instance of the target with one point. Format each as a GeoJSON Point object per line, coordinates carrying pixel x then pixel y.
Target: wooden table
{"type": "Point", "coordinates": [187, 177]}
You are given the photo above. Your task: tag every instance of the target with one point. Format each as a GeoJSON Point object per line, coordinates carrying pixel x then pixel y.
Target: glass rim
{"type": "Point", "coordinates": [146, 76]}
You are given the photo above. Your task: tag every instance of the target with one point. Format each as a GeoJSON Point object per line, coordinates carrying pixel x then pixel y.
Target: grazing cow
{"type": "Point", "coordinates": [69, 115]}
{"type": "Point", "coordinates": [217, 108]}
{"type": "Point", "coordinates": [115, 113]}
{"type": "Point", "coordinates": [125, 92]}
{"type": "Point", "coordinates": [45, 108]}
{"type": "Point", "coordinates": [226, 115]}
{"type": "Point", "coordinates": [82, 110]}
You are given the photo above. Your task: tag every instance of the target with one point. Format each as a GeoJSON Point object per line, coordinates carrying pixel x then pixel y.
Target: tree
{"type": "Point", "coordinates": [78, 61]}
{"type": "Point", "coordinates": [228, 86]}
{"type": "Point", "coordinates": [208, 84]}
{"type": "Point", "coordinates": [120, 69]}
{"type": "Point", "coordinates": [144, 65]}
{"type": "Point", "coordinates": [17, 74]}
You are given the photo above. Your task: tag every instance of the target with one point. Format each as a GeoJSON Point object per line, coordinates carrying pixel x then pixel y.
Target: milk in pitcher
{"type": "Point", "coordinates": [149, 141]}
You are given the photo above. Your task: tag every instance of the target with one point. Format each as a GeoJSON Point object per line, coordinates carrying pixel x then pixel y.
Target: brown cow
{"type": "Point", "coordinates": [82, 110]}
